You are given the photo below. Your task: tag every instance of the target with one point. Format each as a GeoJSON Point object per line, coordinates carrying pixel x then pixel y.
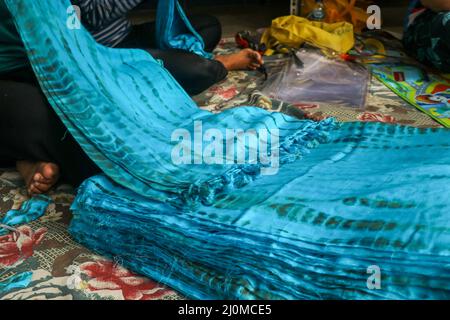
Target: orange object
{"type": "Point", "coordinates": [353, 11]}
{"type": "Point", "coordinates": [347, 57]}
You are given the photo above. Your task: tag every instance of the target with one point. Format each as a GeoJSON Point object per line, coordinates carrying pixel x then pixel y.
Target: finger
{"type": "Point", "coordinates": [33, 191]}
{"type": "Point", "coordinates": [40, 178]}
{"type": "Point", "coordinates": [41, 187]}
{"type": "Point", "coordinates": [258, 58]}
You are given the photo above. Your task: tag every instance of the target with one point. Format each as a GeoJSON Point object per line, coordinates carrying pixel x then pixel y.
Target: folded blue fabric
{"type": "Point", "coordinates": [338, 203]}
{"type": "Point", "coordinates": [374, 197]}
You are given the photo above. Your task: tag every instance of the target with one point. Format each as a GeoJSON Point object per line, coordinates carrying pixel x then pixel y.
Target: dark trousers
{"type": "Point", "coordinates": [31, 130]}
{"type": "Point", "coordinates": [194, 73]}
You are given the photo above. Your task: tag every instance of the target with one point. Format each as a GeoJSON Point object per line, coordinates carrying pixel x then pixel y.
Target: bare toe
{"type": "Point", "coordinates": [50, 172]}
{"type": "Point", "coordinates": [38, 177]}
{"type": "Point", "coordinates": [32, 190]}
{"type": "Point", "coordinates": [41, 187]}
{"type": "Point", "coordinates": [43, 176]}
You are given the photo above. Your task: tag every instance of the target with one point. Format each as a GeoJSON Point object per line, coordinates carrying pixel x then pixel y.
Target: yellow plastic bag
{"type": "Point", "coordinates": [353, 11]}
{"type": "Point", "coordinates": [293, 31]}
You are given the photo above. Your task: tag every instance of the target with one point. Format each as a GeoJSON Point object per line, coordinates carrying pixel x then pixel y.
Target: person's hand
{"type": "Point", "coordinates": [246, 59]}
{"type": "Point", "coordinates": [257, 60]}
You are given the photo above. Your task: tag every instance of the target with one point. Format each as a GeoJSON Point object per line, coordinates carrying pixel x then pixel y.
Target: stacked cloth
{"type": "Point", "coordinates": [374, 198]}
{"type": "Point", "coordinates": [318, 210]}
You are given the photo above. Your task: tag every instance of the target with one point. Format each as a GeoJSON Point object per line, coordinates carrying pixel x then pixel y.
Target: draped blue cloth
{"type": "Point", "coordinates": [346, 198]}
{"type": "Point", "coordinates": [174, 31]}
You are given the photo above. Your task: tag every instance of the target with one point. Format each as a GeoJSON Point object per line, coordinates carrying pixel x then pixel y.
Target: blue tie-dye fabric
{"type": "Point", "coordinates": [30, 210]}
{"type": "Point", "coordinates": [347, 200]}
{"type": "Point", "coordinates": [174, 31]}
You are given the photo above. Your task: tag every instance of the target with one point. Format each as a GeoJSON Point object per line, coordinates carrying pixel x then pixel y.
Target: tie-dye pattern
{"type": "Point", "coordinates": [311, 232]}
{"type": "Point", "coordinates": [224, 231]}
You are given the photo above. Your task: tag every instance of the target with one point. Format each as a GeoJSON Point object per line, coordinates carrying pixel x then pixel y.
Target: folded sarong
{"type": "Point", "coordinates": [372, 202]}
{"type": "Point", "coordinates": [359, 211]}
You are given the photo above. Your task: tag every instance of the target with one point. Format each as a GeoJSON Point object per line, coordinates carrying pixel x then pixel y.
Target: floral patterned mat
{"type": "Point", "coordinates": [63, 269]}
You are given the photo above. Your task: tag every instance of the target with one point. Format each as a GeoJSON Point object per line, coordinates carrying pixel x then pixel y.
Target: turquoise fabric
{"type": "Point", "coordinates": [124, 113]}
{"type": "Point", "coordinates": [18, 281]}
{"type": "Point", "coordinates": [346, 198]}
{"type": "Point", "coordinates": [373, 196]}
{"type": "Point", "coordinates": [29, 211]}
{"type": "Point", "coordinates": [174, 31]}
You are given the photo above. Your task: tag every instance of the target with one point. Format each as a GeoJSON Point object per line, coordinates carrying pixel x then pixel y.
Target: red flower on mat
{"type": "Point", "coordinates": [19, 244]}
{"type": "Point", "coordinates": [226, 94]}
{"type": "Point", "coordinates": [105, 275]}
{"type": "Point", "coordinates": [376, 117]}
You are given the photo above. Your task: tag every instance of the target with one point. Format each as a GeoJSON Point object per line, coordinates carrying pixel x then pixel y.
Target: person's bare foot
{"type": "Point", "coordinates": [39, 177]}
{"type": "Point", "coordinates": [245, 59]}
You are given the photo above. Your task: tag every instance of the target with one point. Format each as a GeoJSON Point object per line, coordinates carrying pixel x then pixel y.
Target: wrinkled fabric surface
{"type": "Point", "coordinates": [374, 195]}
{"type": "Point", "coordinates": [29, 211]}
{"type": "Point", "coordinates": [256, 216]}
{"type": "Point", "coordinates": [174, 31]}
{"type": "Point", "coordinates": [56, 259]}
{"type": "Point", "coordinates": [127, 133]}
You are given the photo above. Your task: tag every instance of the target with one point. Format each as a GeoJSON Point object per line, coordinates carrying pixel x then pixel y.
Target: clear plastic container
{"type": "Point", "coordinates": [319, 80]}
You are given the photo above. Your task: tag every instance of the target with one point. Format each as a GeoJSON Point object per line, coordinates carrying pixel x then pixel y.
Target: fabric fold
{"type": "Point", "coordinates": [314, 231]}
{"type": "Point", "coordinates": [347, 207]}
{"type": "Point", "coordinates": [174, 31]}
